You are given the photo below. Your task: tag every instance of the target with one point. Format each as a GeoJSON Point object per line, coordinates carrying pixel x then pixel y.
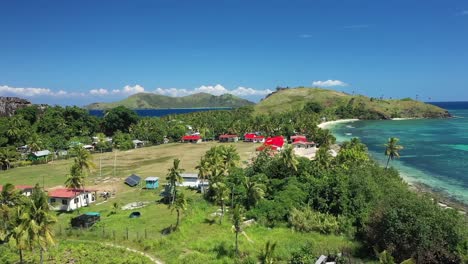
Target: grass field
{"type": "Point", "coordinates": [201, 239]}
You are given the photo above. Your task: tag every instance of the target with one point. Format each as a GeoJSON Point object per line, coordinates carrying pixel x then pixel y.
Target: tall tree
{"type": "Point", "coordinates": [35, 142]}
{"type": "Point", "coordinates": [221, 192]}
{"type": "Point", "coordinates": [237, 217]}
{"type": "Point", "coordinates": [37, 222]}
{"type": "Point", "coordinates": [174, 177]}
{"type": "Point", "coordinates": [392, 149]}
{"type": "Point", "coordinates": [119, 119]}
{"type": "Point", "coordinates": [179, 205]}
{"type": "Point", "coordinates": [289, 158]}
{"type": "Point", "coordinates": [203, 168]}
{"type": "Point", "coordinates": [75, 180]}
{"type": "Point", "coordinates": [255, 192]}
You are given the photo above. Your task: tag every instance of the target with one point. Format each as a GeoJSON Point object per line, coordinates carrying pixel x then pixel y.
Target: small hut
{"type": "Point", "coordinates": [228, 138]}
{"type": "Point", "coordinates": [152, 182]}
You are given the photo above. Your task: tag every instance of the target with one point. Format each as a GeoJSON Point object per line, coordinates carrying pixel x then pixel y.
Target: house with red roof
{"type": "Point", "coordinates": [228, 138]}
{"type": "Point", "coordinates": [191, 139]}
{"type": "Point", "coordinates": [300, 141]}
{"type": "Point", "coordinates": [67, 199]}
{"type": "Point", "coordinates": [274, 143]}
{"type": "Point", "coordinates": [254, 138]}
{"type": "Point", "coordinates": [25, 190]}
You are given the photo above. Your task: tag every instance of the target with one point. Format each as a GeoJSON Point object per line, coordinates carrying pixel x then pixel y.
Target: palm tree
{"type": "Point", "coordinates": [37, 221]}
{"type": "Point", "coordinates": [289, 158]}
{"type": "Point", "coordinates": [17, 237]}
{"type": "Point", "coordinates": [267, 255]}
{"type": "Point", "coordinates": [203, 172]}
{"type": "Point", "coordinates": [34, 142]}
{"type": "Point", "coordinates": [4, 158]}
{"type": "Point", "coordinates": [82, 164]}
{"type": "Point", "coordinates": [75, 180]}
{"type": "Point", "coordinates": [83, 159]}
{"type": "Point", "coordinates": [392, 149]}
{"type": "Point", "coordinates": [254, 191]}
{"type": "Point", "coordinates": [174, 177]}
{"type": "Point", "coordinates": [237, 217]}
{"type": "Point", "coordinates": [179, 205]}
{"type": "Point", "coordinates": [230, 157]}
{"type": "Point", "coordinates": [221, 195]}
{"type": "Point", "coordinates": [9, 199]}
{"type": "Point", "coordinates": [323, 157]}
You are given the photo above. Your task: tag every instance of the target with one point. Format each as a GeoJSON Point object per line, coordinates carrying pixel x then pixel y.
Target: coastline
{"type": "Point", "coordinates": [327, 124]}
{"type": "Point", "coordinates": [442, 200]}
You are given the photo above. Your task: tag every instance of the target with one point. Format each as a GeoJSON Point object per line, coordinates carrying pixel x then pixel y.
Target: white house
{"type": "Point", "coordinates": [25, 190]}
{"type": "Point", "coordinates": [190, 180]}
{"type": "Point", "coordinates": [70, 199]}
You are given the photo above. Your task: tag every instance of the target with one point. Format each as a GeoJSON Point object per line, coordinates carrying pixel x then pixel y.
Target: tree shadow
{"type": "Point", "coordinates": [223, 250]}
{"type": "Point", "coordinates": [209, 221]}
{"type": "Point", "coordinates": [168, 230]}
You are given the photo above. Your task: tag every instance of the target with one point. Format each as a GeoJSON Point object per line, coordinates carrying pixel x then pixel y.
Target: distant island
{"type": "Point", "coordinates": [156, 101]}
{"type": "Point", "coordinates": [355, 106]}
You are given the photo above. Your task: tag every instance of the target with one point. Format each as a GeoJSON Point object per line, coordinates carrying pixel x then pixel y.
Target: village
{"type": "Point", "coordinates": [66, 199]}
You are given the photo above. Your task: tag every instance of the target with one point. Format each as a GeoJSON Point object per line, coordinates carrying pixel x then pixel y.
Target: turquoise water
{"type": "Point", "coordinates": [435, 150]}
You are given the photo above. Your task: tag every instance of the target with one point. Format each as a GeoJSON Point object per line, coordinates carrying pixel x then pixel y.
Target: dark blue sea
{"type": "Point", "coordinates": [435, 150]}
{"type": "Point", "coordinates": [162, 112]}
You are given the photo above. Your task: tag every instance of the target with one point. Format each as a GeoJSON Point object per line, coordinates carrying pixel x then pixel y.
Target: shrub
{"type": "Point", "coordinates": [307, 220]}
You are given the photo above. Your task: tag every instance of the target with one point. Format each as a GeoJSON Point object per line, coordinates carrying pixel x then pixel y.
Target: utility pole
{"type": "Point", "coordinates": [115, 161]}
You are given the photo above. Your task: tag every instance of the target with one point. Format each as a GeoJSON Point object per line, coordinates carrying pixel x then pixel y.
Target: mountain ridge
{"type": "Point", "coordinates": [157, 101]}
{"type": "Point", "coordinates": [363, 107]}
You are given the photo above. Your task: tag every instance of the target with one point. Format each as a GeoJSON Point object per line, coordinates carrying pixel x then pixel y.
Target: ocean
{"type": "Point", "coordinates": [435, 150]}
{"type": "Point", "coordinates": [162, 112]}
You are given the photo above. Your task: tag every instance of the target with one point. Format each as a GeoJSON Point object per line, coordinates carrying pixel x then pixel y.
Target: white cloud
{"type": "Point", "coordinates": [215, 90]}
{"type": "Point", "coordinates": [99, 91]}
{"type": "Point", "coordinates": [174, 92]}
{"type": "Point", "coordinates": [133, 89]}
{"type": "Point", "coordinates": [329, 83]}
{"type": "Point", "coordinates": [29, 92]}
{"type": "Point", "coordinates": [243, 91]}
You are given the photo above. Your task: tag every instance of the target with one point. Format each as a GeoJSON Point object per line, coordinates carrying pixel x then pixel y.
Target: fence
{"type": "Point", "coordinates": [110, 234]}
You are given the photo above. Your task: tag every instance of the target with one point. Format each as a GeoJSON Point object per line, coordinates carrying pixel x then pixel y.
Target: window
{"type": "Point", "coordinates": [65, 202]}
{"type": "Point", "coordinates": [52, 200]}
{"type": "Point", "coordinates": [93, 198]}
{"type": "Point", "coordinates": [86, 196]}
{"type": "Point", "coordinates": [77, 200]}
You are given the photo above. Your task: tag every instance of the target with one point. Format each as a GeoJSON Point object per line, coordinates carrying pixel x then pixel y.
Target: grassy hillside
{"type": "Point", "coordinates": [152, 101]}
{"type": "Point", "coordinates": [296, 99]}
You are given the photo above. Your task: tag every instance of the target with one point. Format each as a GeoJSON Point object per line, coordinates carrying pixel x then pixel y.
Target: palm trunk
{"type": "Point", "coordinates": [174, 194]}
{"type": "Point", "coordinates": [41, 259]}
{"type": "Point", "coordinates": [237, 243]}
{"type": "Point", "coordinates": [222, 212]}
{"type": "Point", "coordinates": [178, 219]}
{"type": "Point", "coordinates": [388, 161]}
{"type": "Point", "coordinates": [21, 255]}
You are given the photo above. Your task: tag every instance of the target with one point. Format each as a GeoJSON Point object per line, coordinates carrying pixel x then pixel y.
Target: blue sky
{"type": "Point", "coordinates": [77, 52]}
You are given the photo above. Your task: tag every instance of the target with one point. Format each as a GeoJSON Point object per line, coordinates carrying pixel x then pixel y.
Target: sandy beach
{"type": "Point", "coordinates": [324, 125]}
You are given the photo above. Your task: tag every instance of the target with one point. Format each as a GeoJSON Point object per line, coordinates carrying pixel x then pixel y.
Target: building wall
{"type": "Point", "coordinates": [71, 203]}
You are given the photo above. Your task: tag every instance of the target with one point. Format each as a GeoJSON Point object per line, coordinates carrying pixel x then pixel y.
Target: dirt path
{"type": "Point", "coordinates": [153, 259]}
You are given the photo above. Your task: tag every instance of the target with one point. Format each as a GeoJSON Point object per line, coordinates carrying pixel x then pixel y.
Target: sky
{"type": "Point", "coordinates": [78, 52]}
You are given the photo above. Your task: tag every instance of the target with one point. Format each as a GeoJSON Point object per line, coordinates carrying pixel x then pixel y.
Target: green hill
{"type": "Point", "coordinates": [364, 107]}
{"type": "Point", "coordinates": [154, 101]}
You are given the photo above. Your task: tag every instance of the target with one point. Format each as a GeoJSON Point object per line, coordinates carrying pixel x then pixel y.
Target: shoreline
{"type": "Point", "coordinates": [327, 124]}
{"type": "Point", "coordinates": [444, 201]}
